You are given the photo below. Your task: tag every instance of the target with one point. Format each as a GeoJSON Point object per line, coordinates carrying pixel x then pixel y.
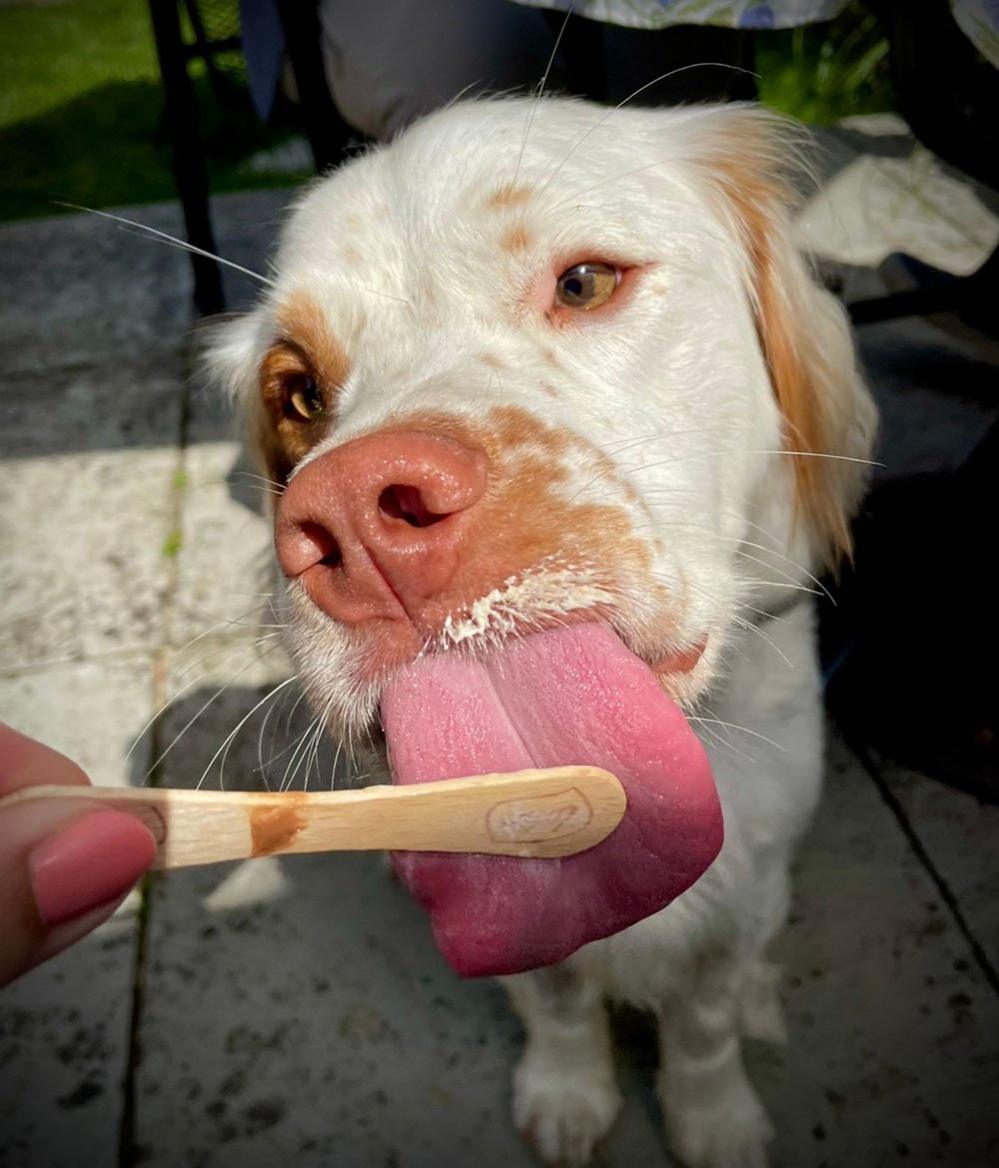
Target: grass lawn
{"type": "Point", "coordinates": [81, 110]}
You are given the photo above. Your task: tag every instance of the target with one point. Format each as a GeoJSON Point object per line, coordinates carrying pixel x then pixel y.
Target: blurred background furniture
{"type": "Point", "coordinates": [212, 32]}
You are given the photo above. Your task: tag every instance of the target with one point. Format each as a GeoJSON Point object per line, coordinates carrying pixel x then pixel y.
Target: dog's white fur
{"type": "Point", "coordinates": [403, 252]}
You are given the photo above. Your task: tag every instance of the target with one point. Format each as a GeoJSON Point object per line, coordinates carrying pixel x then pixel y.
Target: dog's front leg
{"type": "Point", "coordinates": [565, 1097]}
{"type": "Point", "coordinates": [713, 1116]}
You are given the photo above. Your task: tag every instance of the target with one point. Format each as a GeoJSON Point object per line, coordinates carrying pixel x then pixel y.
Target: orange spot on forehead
{"type": "Point", "coordinates": [515, 239]}
{"type": "Point", "coordinates": [509, 195]}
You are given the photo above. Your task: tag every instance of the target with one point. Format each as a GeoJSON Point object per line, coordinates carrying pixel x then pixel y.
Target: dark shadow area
{"type": "Point", "coordinates": [271, 747]}
{"type": "Point", "coordinates": [914, 641]}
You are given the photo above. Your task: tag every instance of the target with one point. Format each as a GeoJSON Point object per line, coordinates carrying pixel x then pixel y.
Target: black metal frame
{"type": "Point", "coordinates": [325, 129]}
{"type": "Point", "coordinates": [188, 155]}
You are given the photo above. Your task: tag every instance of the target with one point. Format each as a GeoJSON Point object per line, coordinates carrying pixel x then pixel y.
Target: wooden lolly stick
{"type": "Point", "coordinates": [546, 813]}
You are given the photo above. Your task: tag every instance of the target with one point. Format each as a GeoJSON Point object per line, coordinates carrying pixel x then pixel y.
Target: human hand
{"type": "Point", "coordinates": [63, 869]}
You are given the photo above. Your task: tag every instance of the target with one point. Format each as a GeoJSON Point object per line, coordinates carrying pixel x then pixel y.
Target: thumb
{"type": "Point", "coordinates": [63, 869]}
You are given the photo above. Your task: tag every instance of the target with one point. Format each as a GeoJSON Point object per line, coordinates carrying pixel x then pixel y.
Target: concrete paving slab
{"type": "Point", "coordinates": [91, 710]}
{"type": "Point", "coordinates": [959, 833]}
{"type": "Point", "coordinates": [893, 1055]}
{"type": "Point", "coordinates": [87, 551]}
{"type": "Point", "coordinates": [85, 509]}
{"type": "Point", "coordinates": [225, 560]}
{"type": "Point", "coordinates": [88, 288]}
{"type": "Point", "coordinates": [64, 1036]}
{"type": "Point", "coordinates": [64, 1028]}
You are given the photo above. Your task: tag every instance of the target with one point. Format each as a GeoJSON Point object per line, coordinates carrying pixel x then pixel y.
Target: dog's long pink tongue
{"type": "Point", "coordinates": [571, 695]}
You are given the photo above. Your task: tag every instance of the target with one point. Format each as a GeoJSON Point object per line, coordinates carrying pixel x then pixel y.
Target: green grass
{"type": "Point", "coordinates": [827, 71]}
{"type": "Point", "coordinates": [81, 112]}
{"type": "Point", "coordinates": [172, 543]}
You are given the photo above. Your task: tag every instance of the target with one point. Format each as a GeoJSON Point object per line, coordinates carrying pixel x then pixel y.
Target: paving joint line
{"type": "Point", "coordinates": [130, 1153]}
{"type": "Point", "coordinates": [919, 849]}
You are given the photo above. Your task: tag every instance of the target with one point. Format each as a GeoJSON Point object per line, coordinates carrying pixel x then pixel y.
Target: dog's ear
{"type": "Point", "coordinates": [828, 414]}
{"type": "Point", "coordinates": [231, 351]}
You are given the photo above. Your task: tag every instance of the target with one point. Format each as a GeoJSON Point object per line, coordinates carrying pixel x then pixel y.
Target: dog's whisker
{"type": "Point", "coordinates": [698, 454]}
{"type": "Point", "coordinates": [537, 98]}
{"type": "Point", "coordinates": [742, 729]}
{"type": "Point", "coordinates": [179, 693]}
{"type": "Point", "coordinates": [616, 448]}
{"type": "Point", "coordinates": [246, 474]}
{"type": "Point", "coordinates": [317, 741]}
{"type": "Point", "coordinates": [291, 713]}
{"type": "Point", "coordinates": [215, 696]}
{"type": "Point", "coordinates": [736, 539]}
{"type": "Point", "coordinates": [165, 237]}
{"type": "Point", "coordinates": [336, 759]}
{"type": "Point", "coordinates": [231, 737]}
{"type": "Point", "coordinates": [820, 454]}
{"type": "Point", "coordinates": [294, 762]}
{"type": "Point", "coordinates": [719, 740]}
{"type": "Point", "coordinates": [631, 97]}
{"type": "Point", "coordinates": [228, 739]}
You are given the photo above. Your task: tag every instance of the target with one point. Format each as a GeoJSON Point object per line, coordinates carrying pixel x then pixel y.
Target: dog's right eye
{"type": "Point", "coordinates": [587, 286]}
{"type": "Point", "coordinates": [302, 400]}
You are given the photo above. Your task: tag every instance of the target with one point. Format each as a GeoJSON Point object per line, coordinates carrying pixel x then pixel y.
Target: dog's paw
{"type": "Point", "coordinates": [733, 1131]}
{"type": "Point", "coordinates": [563, 1111]}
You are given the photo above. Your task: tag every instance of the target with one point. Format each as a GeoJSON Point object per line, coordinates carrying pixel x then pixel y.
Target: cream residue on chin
{"type": "Point", "coordinates": [537, 593]}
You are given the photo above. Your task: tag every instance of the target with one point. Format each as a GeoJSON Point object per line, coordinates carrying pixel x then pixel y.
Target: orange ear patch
{"type": "Point", "coordinates": [744, 167]}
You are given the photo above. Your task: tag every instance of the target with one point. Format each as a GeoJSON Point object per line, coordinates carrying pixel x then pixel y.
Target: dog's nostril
{"type": "Point", "coordinates": [403, 502]}
{"type": "Point", "coordinates": [324, 543]}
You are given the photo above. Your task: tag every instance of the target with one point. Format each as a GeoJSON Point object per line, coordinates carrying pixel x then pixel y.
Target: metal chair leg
{"type": "Point", "coordinates": [325, 129]}
{"type": "Point", "coordinates": [189, 168]}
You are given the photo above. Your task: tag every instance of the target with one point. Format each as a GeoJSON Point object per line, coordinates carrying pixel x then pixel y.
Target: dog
{"type": "Point", "coordinates": [540, 365]}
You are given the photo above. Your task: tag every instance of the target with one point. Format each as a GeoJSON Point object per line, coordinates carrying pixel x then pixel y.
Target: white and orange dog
{"type": "Point", "coordinates": [561, 427]}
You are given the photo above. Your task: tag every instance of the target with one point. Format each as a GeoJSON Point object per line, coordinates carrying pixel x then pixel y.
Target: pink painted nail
{"type": "Point", "coordinates": [91, 863]}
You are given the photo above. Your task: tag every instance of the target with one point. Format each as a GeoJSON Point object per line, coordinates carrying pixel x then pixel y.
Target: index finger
{"type": "Point", "coordinates": [27, 763]}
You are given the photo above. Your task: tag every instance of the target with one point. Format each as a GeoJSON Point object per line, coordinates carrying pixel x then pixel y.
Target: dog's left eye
{"type": "Point", "coordinates": [303, 401]}
{"type": "Point", "coordinates": [587, 285]}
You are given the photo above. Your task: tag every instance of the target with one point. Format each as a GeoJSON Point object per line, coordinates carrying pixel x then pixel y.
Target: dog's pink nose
{"type": "Point", "coordinates": [374, 528]}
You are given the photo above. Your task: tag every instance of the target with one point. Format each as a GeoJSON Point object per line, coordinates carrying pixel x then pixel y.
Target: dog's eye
{"type": "Point", "coordinates": [302, 400]}
{"type": "Point", "coordinates": [587, 285]}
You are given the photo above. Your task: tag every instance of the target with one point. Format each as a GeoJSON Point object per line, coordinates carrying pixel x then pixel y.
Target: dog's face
{"type": "Point", "coordinates": [540, 364]}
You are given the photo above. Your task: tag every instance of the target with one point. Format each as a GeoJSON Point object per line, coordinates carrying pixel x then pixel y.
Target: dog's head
{"type": "Point", "coordinates": [536, 366]}
{"type": "Point", "coordinates": [544, 364]}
